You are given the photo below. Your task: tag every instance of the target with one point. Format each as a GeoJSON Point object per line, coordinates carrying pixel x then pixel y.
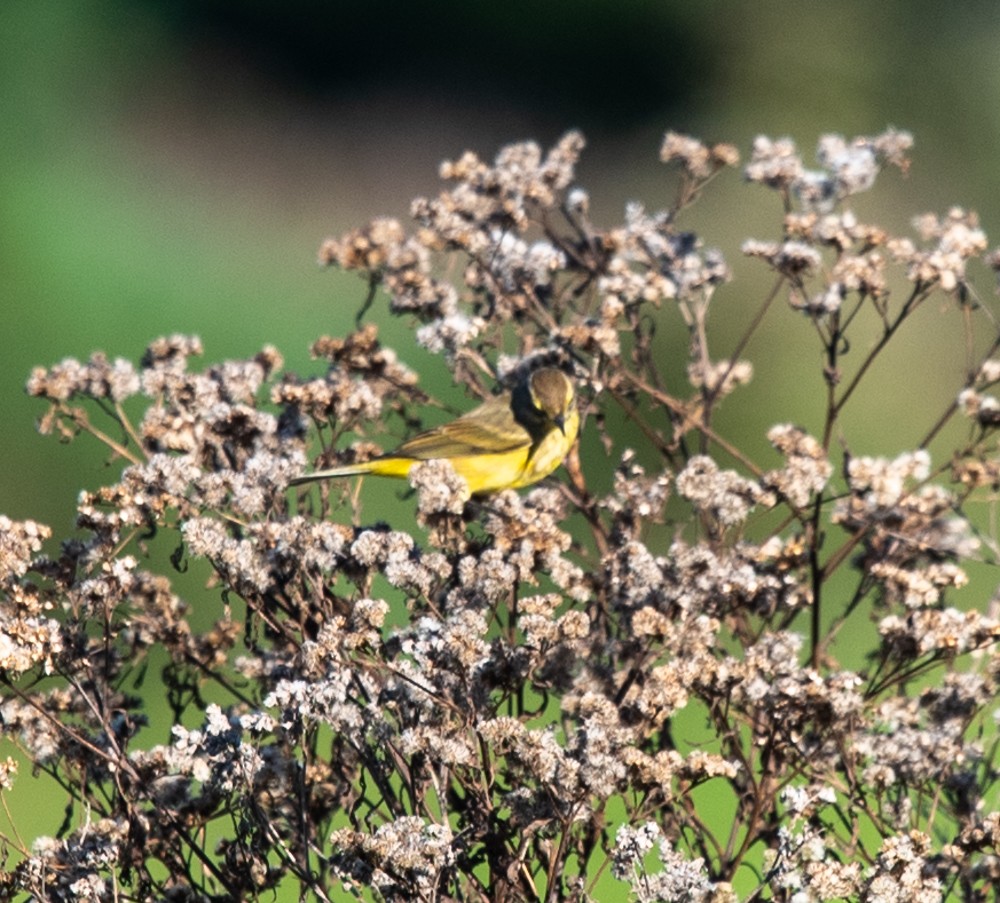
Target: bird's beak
{"type": "Point", "coordinates": [560, 421]}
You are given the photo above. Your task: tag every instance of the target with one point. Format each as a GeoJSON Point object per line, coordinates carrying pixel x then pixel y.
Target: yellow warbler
{"type": "Point", "coordinates": [509, 441]}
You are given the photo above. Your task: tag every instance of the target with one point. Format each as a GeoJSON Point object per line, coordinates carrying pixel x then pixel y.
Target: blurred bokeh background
{"type": "Point", "coordinates": [173, 165]}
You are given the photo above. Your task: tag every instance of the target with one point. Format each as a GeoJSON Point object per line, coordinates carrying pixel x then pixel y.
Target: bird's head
{"type": "Point", "coordinates": [552, 395]}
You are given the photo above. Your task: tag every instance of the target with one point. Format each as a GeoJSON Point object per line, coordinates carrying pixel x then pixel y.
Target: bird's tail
{"type": "Point", "coordinates": [385, 467]}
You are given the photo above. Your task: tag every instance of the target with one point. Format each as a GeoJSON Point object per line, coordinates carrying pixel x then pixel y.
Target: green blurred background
{"type": "Point", "coordinates": [173, 167]}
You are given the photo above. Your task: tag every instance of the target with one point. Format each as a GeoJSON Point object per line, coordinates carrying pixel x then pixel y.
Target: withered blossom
{"type": "Point", "coordinates": [807, 469]}
{"type": "Point", "coordinates": [847, 167]}
{"type": "Point", "coordinates": [723, 495]}
{"type": "Point", "coordinates": [699, 160]}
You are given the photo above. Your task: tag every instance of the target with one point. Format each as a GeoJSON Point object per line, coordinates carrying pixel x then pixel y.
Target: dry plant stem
{"type": "Point", "coordinates": [655, 439]}
{"type": "Point", "coordinates": [72, 734]}
{"type": "Point", "coordinates": [117, 413]}
{"type": "Point", "coordinates": [126, 423]}
{"type": "Point", "coordinates": [584, 502]}
{"type": "Point", "coordinates": [918, 294]}
{"type": "Point", "coordinates": [19, 844]}
{"type": "Point", "coordinates": [691, 189]}
{"type": "Point", "coordinates": [373, 284]}
{"type": "Point", "coordinates": [838, 622]}
{"type": "Point", "coordinates": [570, 248]}
{"type": "Point", "coordinates": [903, 675]}
{"type": "Point", "coordinates": [203, 667]}
{"type": "Point", "coordinates": [748, 334]}
{"type": "Point", "coordinates": [817, 572]}
{"type": "Point", "coordinates": [972, 373]}
{"type": "Point", "coordinates": [206, 862]}
{"type": "Point", "coordinates": [831, 372]}
{"type": "Point", "coordinates": [834, 407]}
{"type": "Point", "coordinates": [678, 409]}
{"type": "Point", "coordinates": [79, 419]}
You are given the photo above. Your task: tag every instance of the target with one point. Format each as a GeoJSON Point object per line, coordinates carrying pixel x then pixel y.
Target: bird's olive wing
{"type": "Point", "coordinates": [489, 429]}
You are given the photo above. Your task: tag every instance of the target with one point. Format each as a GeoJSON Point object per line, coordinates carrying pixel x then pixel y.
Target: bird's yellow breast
{"type": "Point", "coordinates": [549, 452]}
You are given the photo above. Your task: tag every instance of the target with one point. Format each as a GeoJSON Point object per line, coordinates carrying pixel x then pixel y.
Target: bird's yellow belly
{"type": "Point", "coordinates": [483, 472]}
{"type": "Point", "coordinates": [489, 473]}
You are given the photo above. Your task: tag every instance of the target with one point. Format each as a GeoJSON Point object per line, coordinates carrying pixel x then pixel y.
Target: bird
{"type": "Point", "coordinates": [511, 440]}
